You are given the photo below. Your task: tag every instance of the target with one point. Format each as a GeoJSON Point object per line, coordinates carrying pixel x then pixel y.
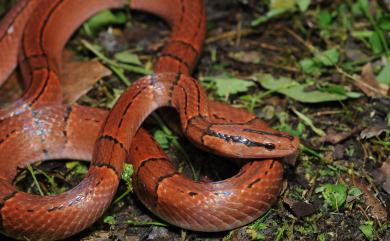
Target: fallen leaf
{"type": "Point", "coordinates": [334, 195]}
{"type": "Point", "coordinates": [128, 57]}
{"type": "Point", "coordinates": [78, 77]}
{"type": "Point", "coordinates": [301, 208]}
{"type": "Point", "coordinates": [387, 203]}
{"type": "Point", "coordinates": [227, 84]}
{"type": "Point", "coordinates": [385, 4]}
{"type": "Point", "coordinates": [374, 130]}
{"type": "Point", "coordinates": [368, 83]}
{"type": "Point", "coordinates": [282, 4]}
{"type": "Point", "coordinates": [329, 57]}
{"type": "Point", "coordinates": [338, 153]}
{"type": "Point", "coordinates": [384, 74]}
{"type": "Point", "coordinates": [240, 234]}
{"type": "Point", "coordinates": [250, 57]}
{"type": "Point", "coordinates": [297, 91]}
{"type": "Point", "coordinates": [355, 52]}
{"type": "Point", "coordinates": [376, 208]}
{"type": "Point", "coordinates": [105, 18]}
{"type": "Point", "coordinates": [337, 137]}
{"type": "Point", "coordinates": [383, 176]}
{"type": "Point", "coordinates": [309, 122]}
{"type": "Point", "coordinates": [291, 159]}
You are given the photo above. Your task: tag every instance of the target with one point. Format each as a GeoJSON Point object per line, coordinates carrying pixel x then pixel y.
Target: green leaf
{"type": "Point", "coordinates": [227, 84]}
{"type": "Point", "coordinates": [376, 44]}
{"type": "Point", "coordinates": [367, 229]}
{"type": "Point", "coordinates": [384, 75]}
{"type": "Point", "coordinates": [388, 119]}
{"type": "Point", "coordinates": [364, 5]}
{"type": "Point", "coordinates": [297, 91]}
{"type": "Point", "coordinates": [303, 5]}
{"type": "Point", "coordinates": [355, 192]}
{"type": "Point", "coordinates": [309, 123]}
{"type": "Point", "coordinates": [278, 7]}
{"type": "Point", "coordinates": [334, 195]}
{"type": "Point", "coordinates": [339, 89]}
{"type": "Point", "coordinates": [254, 230]}
{"type": "Point", "coordinates": [128, 171]}
{"type": "Point", "coordinates": [384, 22]}
{"type": "Point", "coordinates": [116, 95]}
{"type": "Point", "coordinates": [322, 237]}
{"type": "Point", "coordinates": [128, 57]}
{"type": "Point", "coordinates": [105, 18]}
{"type": "Point", "coordinates": [344, 14]}
{"type": "Point", "coordinates": [269, 15]}
{"type": "Point", "coordinates": [161, 138]}
{"type": "Point", "coordinates": [324, 19]}
{"type": "Point", "coordinates": [329, 57]}
{"type": "Point", "coordinates": [109, 220]}
{"type": "Point", "coordinates": [309, 66]}
{"type": "Point", "coordinates": [282, 4]}
{"type": "Point", "coordinates": [356, 9]}
{"type": "Point", "coordinates": [76, 167]}
{"type": "Point", "coordinates": [295, 132]}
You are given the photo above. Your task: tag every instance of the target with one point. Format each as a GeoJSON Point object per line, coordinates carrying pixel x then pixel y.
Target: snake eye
{"type": "Point", "coordinates": [269, 146]}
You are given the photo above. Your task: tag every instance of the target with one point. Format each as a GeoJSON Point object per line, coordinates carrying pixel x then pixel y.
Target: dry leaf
{"type": "Point", "coordinates": [376, 208]}
{"type": "Point", "coordinates": [338, 153]}
{"type": "Point", "coordinates": [301, 208]}
{"type": "Point", "coordinates": [374, 130]}
{"type": "Point", "coordinates": [383, 175]}
{"type": "Point", "coordinates": [291, 159]}
{"type": "Point", "coordinates": [78, 77]}
{"type": "Point", "coordinates": [249, 57]}
{"type": "Point", "coordinates": [368, 83]}
{"type": "Point", "coordinates": [385, 4]}
{"type": "Point", "coordinates": [336, 137]}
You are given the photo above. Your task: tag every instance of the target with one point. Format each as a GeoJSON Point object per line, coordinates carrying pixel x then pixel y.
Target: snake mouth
{"type": "Point", "coordinates": [241, 140]}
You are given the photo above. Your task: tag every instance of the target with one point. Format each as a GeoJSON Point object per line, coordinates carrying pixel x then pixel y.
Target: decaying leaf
{"type": "Point", "coordinates": [376, 208]}
{"type": "Point", "coordinates": [383, 176]}
{"type": "Point", "coordinates": [291, 159]}
{"type": "Point", "coordinates": [374, 130]}
{"type": "Point", "coordinates": [226, 84]}
{"type": "Point", "coordinates": [250, 57]}
{"type": "Point", "coordinates": [368, 83]}
{"type": "Point", "coordinates": [299, 92]}
{"type": "Point", "coordinates": [78, 77]}
{"type": "Point", "coordinates": [385, 4]}
{"type": "Point", "coordinates": [384, 74]}
{"type": "Point", "coordinates": [336, 137]}
{"type": "Point", "coordinates": [301, 208]}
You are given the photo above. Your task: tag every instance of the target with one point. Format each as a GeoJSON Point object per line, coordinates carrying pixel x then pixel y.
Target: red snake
{"type": "Point", "coordinates": [39, 127]}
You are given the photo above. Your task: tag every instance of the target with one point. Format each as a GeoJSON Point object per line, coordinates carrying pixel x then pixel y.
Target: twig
{"type": "Point", "coordinates": [36, 183]}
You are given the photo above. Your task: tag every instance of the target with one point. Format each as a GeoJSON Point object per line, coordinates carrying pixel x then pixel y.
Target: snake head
{"type": "Point", "coordinates": [249, 141]}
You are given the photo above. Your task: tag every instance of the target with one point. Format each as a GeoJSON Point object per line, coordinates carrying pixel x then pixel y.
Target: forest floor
{"type": "Point", "coordinates": [318, 69]}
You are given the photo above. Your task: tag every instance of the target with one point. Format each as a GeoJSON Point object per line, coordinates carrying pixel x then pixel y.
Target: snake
{"type": "Point", "coordinates": [38, 126]}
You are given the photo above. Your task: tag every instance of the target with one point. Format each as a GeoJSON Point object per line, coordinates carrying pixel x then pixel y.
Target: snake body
{"type": "Point", "coordinates": [38, 126]}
